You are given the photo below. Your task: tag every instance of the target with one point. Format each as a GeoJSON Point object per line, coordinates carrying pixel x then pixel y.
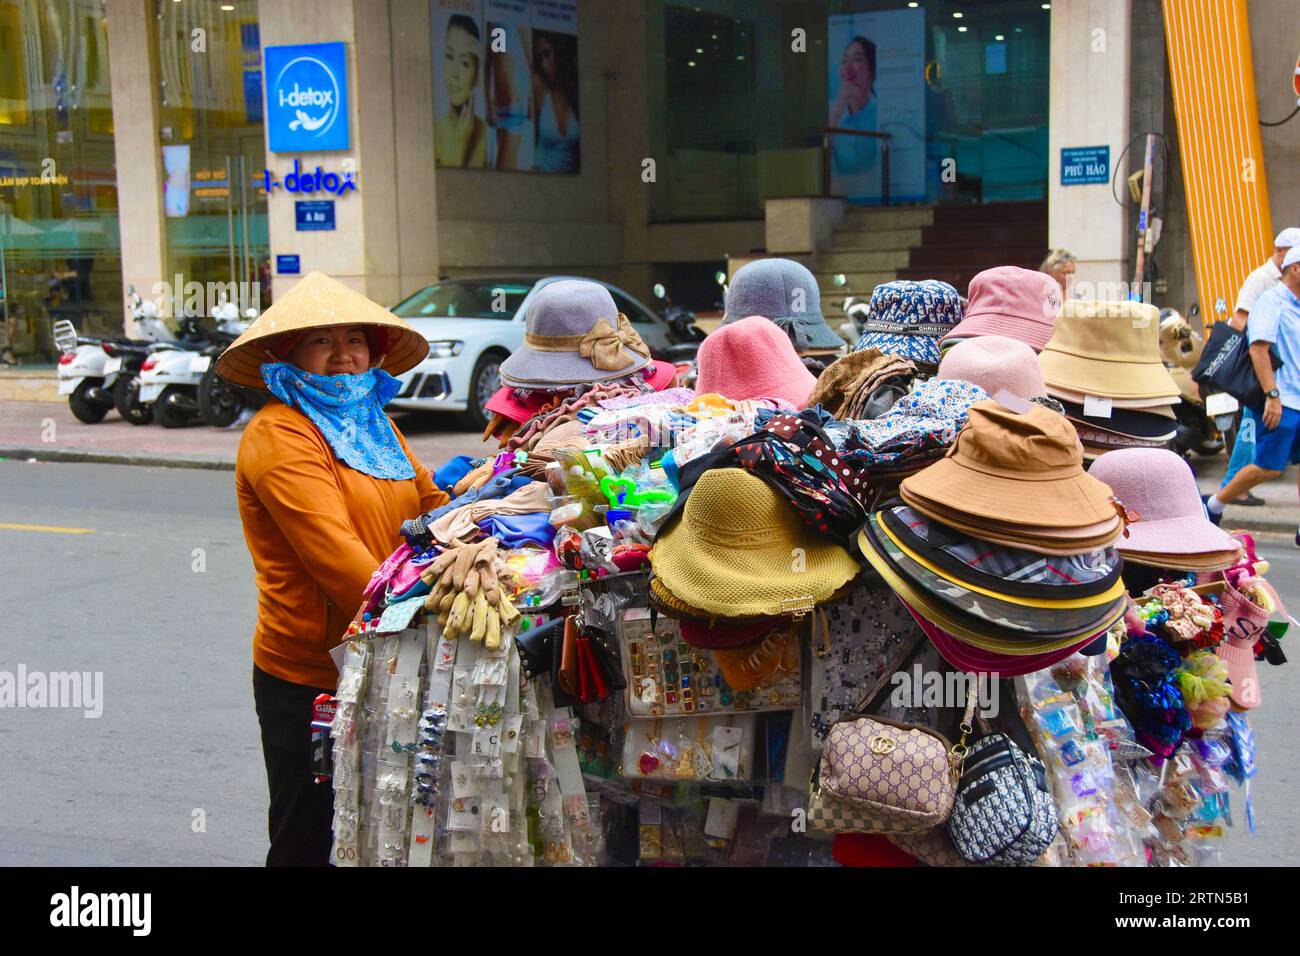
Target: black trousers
{"type": "Point", "coordinates": [301, 816]}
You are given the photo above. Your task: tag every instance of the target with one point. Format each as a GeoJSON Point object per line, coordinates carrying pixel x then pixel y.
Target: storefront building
{"type": "Point", "coordinates": [238, 144]}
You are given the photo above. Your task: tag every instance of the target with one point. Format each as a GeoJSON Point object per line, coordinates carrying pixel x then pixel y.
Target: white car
{"type": "Point", "coordinates": [474, 323]}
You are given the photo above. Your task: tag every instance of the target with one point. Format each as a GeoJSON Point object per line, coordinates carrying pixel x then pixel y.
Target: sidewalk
{"type": "Point", "coordinates": [1280, 512]}
{"type": "Point", "coordinates": [29, 383]}
{"type": "Point", "coordinates": [49, 432]}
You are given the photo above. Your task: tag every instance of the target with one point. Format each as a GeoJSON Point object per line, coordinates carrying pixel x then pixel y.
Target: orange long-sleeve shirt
{"type": "Point", "coordinates": [316, 529]}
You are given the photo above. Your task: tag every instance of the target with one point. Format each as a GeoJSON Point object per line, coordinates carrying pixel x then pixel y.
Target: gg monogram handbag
{"type": "Point", "coordinates": [881, 776]}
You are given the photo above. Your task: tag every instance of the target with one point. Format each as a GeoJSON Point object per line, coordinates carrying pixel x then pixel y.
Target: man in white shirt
{"type": "Point", "coordinates": [1274, 326]}
{"type": "Point", "coordinates": [1258, 282]}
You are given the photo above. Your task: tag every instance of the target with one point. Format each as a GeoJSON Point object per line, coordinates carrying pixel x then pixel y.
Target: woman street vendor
{"type": "Point", "coordinates": [324, 480]}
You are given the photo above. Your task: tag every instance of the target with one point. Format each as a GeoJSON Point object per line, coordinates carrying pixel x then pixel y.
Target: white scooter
{"type": "Point", "coordinates": [81, 373]}
{"type": "Point", "coordinates": [168, 384]}
{"type": "Point", "coordinates": [170, 377]}
{"type": "Point", "coordinates": [89, 366]}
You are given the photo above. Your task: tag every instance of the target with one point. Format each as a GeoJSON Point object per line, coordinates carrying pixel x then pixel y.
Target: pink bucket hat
{"type": "Point", "coordinates": [995, 363]}
{"type": "Point", "coordinates": [753, 358]}
{"type": "Point", "coordinates": [1160, 488]}
{"type": "Point", "coordinates": [1011, 301]}
{"type": "Point", "coordinates": [505, 402]}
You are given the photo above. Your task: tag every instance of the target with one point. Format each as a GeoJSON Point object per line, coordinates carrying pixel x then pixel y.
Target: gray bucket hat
{"type": "Point", "coordinates": [786, 293]}
{"type": "Point", "coordinates": [574, 334]}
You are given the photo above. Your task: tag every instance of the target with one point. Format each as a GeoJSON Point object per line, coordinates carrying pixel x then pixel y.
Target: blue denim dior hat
{"type": "Point", "coordinates": [908, 318]}
{"type": "Point", "coordinates": [786, 293]}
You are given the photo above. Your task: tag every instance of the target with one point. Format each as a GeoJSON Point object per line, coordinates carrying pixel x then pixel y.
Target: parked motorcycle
{"type": "Point", "coordinates": [170, 376]}
{"type": "Point", "coordinates": [857, 309]}
{"type": "Point", "coordinates": [683, 334]}
{"type": "Point", "coordinates": [82, 361]}
{"type": "Point", "coordinates": [222, 403]}
{"type": "Point", "coordinates": [150, 329]}
{"type": "Point", "coordinates": [1199, 431]}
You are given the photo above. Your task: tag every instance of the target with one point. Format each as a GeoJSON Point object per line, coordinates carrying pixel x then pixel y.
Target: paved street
{"type": "Point", "coordinates": [171, 635]}
{"type": "Point", "coordinates": [48, 429]}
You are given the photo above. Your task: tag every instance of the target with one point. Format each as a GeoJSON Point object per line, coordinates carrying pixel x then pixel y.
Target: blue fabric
{"type": "Point", "coordinates": [454, 470]}
{"type": "Point", "coordinates": [498, 486]}
{"type": "Point", "coordinates": [349, 411]}
{"type": "Point", "coordinates": [515, 531]}
{"type": "Point", "coordinates": [1275, 448]}
{"type": "Point", "coordinates": [1276, 318]}
{"type": "Point", "coordinates": [1243, 450]}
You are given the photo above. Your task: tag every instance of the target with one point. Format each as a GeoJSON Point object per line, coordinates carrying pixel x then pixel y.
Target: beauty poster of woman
{"type": "Point", "coordinates": [460, 128]}
{"type": "Point", "coordinates": [876, 83]}
{"type": "Point", "coordinates": [508, 84]}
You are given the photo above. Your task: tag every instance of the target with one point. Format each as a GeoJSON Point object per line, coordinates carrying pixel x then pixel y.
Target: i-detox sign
{"type": "Point", "coordinates": [307, 97]}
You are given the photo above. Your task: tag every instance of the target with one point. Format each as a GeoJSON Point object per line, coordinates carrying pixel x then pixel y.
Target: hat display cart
{"type": "Point", "coordinates": [656, 626]}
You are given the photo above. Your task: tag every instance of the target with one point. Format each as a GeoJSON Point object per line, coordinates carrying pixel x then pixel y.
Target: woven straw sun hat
{"type": "Point", "coordinates": [739, 550]}
{"type": "Point", "coordinates": [319, 302]}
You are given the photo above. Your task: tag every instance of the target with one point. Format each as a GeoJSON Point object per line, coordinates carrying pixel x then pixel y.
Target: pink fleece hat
{"type": "Point", "coordinates": [995, 363]}
{"type": "Point", "coordinates": [753, 358]}
{"type": "Point", "coordinates": [1158, 485]}
{"type": "Point", "coordinates": [505, 402]}
{"type": "Point", "coordinates": [1008, 300]}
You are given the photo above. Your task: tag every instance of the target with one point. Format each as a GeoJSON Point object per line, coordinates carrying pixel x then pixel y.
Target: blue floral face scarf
{"type": "Point", "coordinates": [349, 411]}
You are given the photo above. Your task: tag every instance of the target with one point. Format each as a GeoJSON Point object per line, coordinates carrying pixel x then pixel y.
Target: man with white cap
{"type": "Point", "coordinates": [1257, 283]}
{"type": "Point", "coordinates": [1274, 325]}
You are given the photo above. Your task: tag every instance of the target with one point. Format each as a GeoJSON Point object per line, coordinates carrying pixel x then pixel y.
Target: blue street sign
{"type": "Point", "coordinates": [314, 216]}
{"type": "Point", "coordinates": [307, 97]}
{"type": "Point", "coordinates": [1085, 165]}
{"type": "Point", "coordinates": [287, 265]}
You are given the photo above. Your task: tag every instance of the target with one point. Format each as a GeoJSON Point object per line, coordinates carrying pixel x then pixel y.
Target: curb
{"type": "Point", "coordinates": [91, 456]}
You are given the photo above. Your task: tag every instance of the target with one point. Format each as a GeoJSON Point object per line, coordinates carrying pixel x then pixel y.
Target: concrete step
{"type": "Point", "coordinates": [29, 384]}
{"type": "Point", "coordinates": [1029, 212]}
{"type": "Point", "coordinates": [875, 240]}
{"type": "Point", "coordinates": [976, 258]}
{"type": "Point", "coordinates": [876, 218]}
{"type": "Point", "coordinates": [861, 260]}
{"type": "Point", "coordinates": [860, 284]}
{"type": "Point", "coordinates": [985, 234]}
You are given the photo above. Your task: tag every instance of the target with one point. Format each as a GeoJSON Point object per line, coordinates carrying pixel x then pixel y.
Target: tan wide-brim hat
{"type": "Point", "coordinates": [318, 302]}
{"type": "Point", "coordinates": [1007, 468]}
{"type": "Point", "coordinates": [1108, 349]}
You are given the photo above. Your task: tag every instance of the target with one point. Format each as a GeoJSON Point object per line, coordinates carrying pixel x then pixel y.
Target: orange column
{"type": "Point", "coordinates": [1219, 144]}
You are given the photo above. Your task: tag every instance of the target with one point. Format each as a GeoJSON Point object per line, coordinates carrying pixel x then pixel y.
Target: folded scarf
{"type": "Point", "coordinates": [461, 526]}
{"type": "Point", "coordinates": [349, 411]}
{"type": "Point", "coordinates": [515, 531]}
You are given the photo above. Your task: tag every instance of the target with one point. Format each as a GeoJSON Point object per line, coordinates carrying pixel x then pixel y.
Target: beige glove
{"type": "Point", "coordinates": [466, 594]}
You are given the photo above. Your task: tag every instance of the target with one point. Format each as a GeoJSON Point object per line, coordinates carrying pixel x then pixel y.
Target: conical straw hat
{"type": "Point", "coordinates": [316, 302]}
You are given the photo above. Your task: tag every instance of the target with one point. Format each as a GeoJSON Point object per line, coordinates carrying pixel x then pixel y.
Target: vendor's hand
{"type": "Point", "coordinates": [1272, 413]}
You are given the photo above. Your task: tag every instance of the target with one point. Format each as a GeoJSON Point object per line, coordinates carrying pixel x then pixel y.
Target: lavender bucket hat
{"type": "Point", "coordinates": [574, 335]}
{"type": "Point", "coordinates": [786, 293]}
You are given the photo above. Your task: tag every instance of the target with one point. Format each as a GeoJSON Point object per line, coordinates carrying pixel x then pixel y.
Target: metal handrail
{"type": "Point", "coordinates": [885, 138]}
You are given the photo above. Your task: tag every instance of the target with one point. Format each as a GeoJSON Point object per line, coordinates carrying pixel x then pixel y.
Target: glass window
{"type": "Point", "coordinates": [737, 115]}
{"type": "Point", "coordinates": [213, 145]}
{"type": "Point", "coordinates": [465, 299]}
{"type": "Point", "coordinates": [59, 250]}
